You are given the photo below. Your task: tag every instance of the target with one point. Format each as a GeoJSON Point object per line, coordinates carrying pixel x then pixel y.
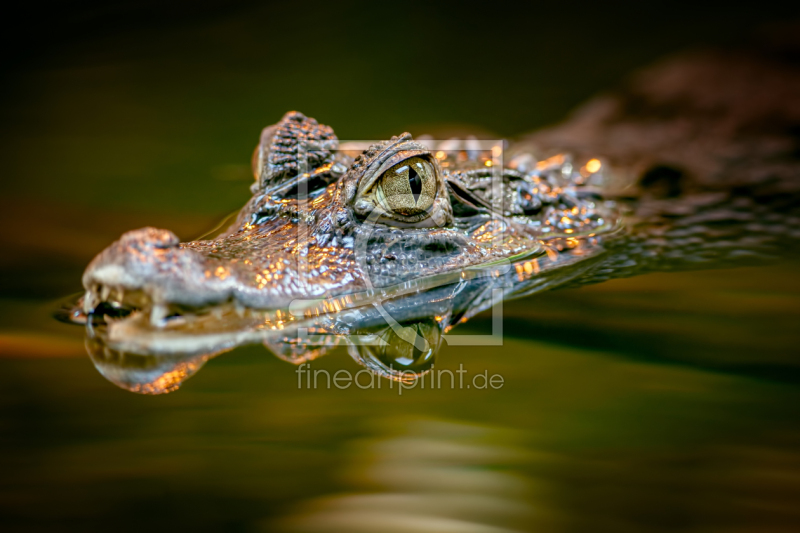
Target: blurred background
{"type": "Point", "coordinates": [667, 402]}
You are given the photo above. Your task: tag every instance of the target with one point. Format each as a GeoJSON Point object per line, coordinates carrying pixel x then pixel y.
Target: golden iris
{"type": "Point", "coordinates": [409, 187]}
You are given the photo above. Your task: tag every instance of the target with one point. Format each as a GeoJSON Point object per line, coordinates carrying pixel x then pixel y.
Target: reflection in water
{"type": "Point", "coordinates": [144, 374]}
{"type": "Point", "coordinates": [404, 356]}
{"type": "Point", "coordinates": [425, 476]}
{"type": "Point", "coordinates": [603, 444]}
{"type": "Point", "coordinates": [404, 353]}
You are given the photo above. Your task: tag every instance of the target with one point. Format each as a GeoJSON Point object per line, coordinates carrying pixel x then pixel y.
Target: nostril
{"type": "Point", "coordinates": [140, 262]}
{"type": "Point", "coordinates": [150, 237]}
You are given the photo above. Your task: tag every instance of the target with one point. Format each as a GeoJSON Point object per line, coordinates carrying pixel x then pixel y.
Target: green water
{"type": "Point", "coordinates": [641, 437]}
{"type": "Point", "coordinates": [668, 402]}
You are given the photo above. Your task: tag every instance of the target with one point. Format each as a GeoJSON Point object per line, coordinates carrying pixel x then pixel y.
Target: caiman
{"type": "Point", "coordinates": [387, 246]}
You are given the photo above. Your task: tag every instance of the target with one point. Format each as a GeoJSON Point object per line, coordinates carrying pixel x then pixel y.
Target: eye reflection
{"type": "Point", "coordinates": [408, 188]}
{"type": "Point", "coordinates": [403, 354]}
{"type": "Point", "coordinates": [412, 350]}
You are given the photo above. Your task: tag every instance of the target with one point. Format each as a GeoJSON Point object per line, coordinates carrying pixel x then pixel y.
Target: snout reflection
{"type": "Point", "coordinates": [144, 374]}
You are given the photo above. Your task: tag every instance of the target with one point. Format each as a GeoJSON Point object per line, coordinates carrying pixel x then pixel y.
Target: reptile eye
{"type": "Point", "coordinates": [399, 183]}
{"type": "Point", "coordinates": [408, 188]}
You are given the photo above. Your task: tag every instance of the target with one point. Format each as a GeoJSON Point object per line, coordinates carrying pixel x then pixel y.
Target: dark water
{"type": "Point", "coordinates": [668, 402]}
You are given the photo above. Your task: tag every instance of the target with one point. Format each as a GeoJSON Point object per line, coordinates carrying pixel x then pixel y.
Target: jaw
{"type": "Point", "coordinates": [260, 274]}
{"type": "Point", "coordinates": [270, 283]}
{"type": "Point", "coordinates": [141, 357]}
{"type": "Point", "coordinates": [147, 343]}
{"type": "Point", "coordinates": [131, 321]}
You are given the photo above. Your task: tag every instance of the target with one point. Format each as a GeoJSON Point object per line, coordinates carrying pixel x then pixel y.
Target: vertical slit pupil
{"type": "Point", "coordinates": [415, 182]}
{"type": "Point", "coordinates": [416, 351]}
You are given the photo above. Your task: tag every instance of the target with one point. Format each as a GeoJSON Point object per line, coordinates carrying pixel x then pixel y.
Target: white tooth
{"type": "Point", "coordinates": [239, 309]}
{"type": "Point", "coordinates": [177, 321]}
{"type": "Point", "coordinates": [157, 315]}
{"type": "Point", "coordinates": [89, 302]}
{"type": "Point", "coordinates": [105, 290]}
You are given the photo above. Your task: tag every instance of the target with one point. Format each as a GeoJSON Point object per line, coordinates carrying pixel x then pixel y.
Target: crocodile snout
{"type": "Point", "coordinates": [137, 255]}
{"type": "Point", "coordinates": [148, 260]}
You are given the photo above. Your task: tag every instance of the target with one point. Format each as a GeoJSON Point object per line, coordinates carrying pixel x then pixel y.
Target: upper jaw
{"type": "Point", "coordinates": [149, 264]}
{"type": "Point", "coordinates": [152, 290]}
{"type": "Point", "coordinates": [147, 270]}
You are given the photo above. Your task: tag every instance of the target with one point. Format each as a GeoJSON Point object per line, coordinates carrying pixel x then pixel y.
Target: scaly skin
{"type": "Point", "coordinates": [696, 179]}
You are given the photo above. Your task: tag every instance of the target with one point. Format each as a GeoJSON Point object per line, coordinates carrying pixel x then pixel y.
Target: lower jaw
{"type": "Point", "coordinates": [139, 325]}
{"type": "Point", "coordinates": [208, 330]}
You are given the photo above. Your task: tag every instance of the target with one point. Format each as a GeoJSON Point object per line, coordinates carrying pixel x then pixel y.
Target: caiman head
{"type": "Point", "coordinates": [385, 247]}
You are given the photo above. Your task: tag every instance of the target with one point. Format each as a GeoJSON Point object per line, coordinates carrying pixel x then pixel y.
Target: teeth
{"type": "Point", "coordinates": [115, 296]}
{"type": "Point", "coordinates": [89, 301]}
{"type": "Point", "coordinates": [157, 315]}
{"type": "Point", "coordinates": [178, 320]}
